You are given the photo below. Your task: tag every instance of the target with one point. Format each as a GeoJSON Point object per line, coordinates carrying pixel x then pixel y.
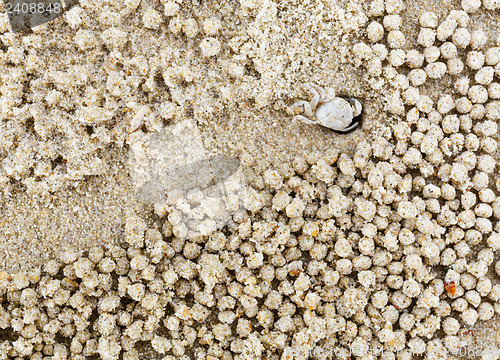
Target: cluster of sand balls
{"type": "Point", "coordinates": [334, 255]}
{"type": "Point", "coordinates": [451, 143]}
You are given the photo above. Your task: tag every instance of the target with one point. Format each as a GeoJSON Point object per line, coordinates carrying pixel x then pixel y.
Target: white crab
{"type": "Point", "coordinates": [333, 112]}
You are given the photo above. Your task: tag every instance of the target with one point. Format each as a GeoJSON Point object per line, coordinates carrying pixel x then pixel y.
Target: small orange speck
{"type": "Point", "coordinates": [450, 288]}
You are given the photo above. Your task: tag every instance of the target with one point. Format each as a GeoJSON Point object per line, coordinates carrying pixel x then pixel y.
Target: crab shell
{"type": "Point", "coordinates": [338, 114]}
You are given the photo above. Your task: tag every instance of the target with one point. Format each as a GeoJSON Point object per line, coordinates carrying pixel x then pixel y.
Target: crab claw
{"type": "Point", "coordinates": [329, 94]}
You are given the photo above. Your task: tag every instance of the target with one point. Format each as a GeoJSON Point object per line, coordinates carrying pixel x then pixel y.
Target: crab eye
{"type": "Point", "coordinates": [356, 106]}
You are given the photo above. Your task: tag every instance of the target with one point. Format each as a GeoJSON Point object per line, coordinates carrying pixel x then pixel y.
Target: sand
{"type": "Point", "coordinates": [254, 120]}
{"type": "Point", "coordinates": [67, 103]}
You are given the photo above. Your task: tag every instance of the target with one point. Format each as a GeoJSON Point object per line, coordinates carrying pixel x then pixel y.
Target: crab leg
{"type": "Point", "coordinates": [307, 107]}
{"type": "Point", "coordinates": [318, 93]}
{"type": "Point", "coordinates": [304, 120]}
{"type": "Point", "coordinates": [346, 130]}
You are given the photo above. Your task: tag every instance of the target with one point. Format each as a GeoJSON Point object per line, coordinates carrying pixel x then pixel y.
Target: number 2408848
{"type": "Point", "coordinates": [33, 7]}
